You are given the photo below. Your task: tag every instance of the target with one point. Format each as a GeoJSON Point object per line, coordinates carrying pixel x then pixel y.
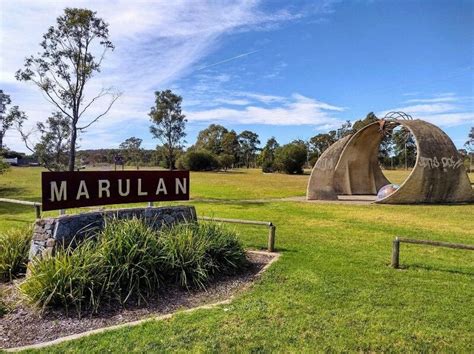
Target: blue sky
{"type": "Point", "coordinates": [279, 68]}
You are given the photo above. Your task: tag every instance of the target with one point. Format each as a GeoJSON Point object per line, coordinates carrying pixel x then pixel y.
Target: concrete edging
{"type": "Point", "coordinates": [71, 337]}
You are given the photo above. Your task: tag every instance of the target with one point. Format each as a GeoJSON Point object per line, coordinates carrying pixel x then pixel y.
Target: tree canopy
{"type": "Point", "coordinates": [52, 149]}
{"type": "Point", "coordinates": [132, 150]}
{"type": "Point", "coordinates": [8, 117]}
{"type": "Point", "coordinates": [168, 123]}
{"type": "Point", "coordinates": [72, 52]}
{"type": "Point", "coordinates": [248, 142]}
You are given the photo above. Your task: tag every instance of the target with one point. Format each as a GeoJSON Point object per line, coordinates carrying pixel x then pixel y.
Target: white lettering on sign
{"type": "Point", "coordinates": [60, 194]}
{"type": "Point", "coordinates": [104, 186]}
{"type": "Point", "coordinates": [82, 190]}
{"type": "Point", "coordinates": [161, 187]}
{"type": "Point", "coordinates": [180, 186]}
{"type": "Point", "coordinates": [121, 192]}
{"type": "Point", "coordinates": [140, 192]}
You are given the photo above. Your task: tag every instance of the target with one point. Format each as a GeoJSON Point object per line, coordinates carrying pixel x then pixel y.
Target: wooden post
{"type": "Point", "coordinates": [396, 253]}
{"type": "Point", "coordinates": [62, 211]}
{"type": "Point", "coordinates": [38, 211]}
{"type": "Point", "coordinates": [150, 204]}
{"type": "Point", "coordinates": [271, 238]}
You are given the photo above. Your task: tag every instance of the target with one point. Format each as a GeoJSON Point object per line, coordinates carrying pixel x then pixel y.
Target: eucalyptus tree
{"type": "Point", "coordinates": [8, 117]}
{"type": "Point", "coordinates": [72, 53]}
{"type": "Point", "coordinates": [132, 149]}
{"type": "Point", "coordinates": [168, 124]}
{"type": "Point", "coordinates": [211, 138]}
{"type": "Point", "coordinates": [52, 149]}
{"type": "Point", "coordinates": [248, 142]}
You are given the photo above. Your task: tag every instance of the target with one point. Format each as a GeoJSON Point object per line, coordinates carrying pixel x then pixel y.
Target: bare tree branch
{"type": "Point", "coordinates": [102, 93]}
{"type": "Point", "coordinates": [115, 98]}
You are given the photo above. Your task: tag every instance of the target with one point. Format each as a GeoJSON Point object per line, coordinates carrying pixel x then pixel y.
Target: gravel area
{"type": "Point", "coordinates": [23, 325]}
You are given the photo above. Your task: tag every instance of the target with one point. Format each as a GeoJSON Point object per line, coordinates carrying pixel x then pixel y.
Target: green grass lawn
{"type": "Point", "coordinates": [332, 289]}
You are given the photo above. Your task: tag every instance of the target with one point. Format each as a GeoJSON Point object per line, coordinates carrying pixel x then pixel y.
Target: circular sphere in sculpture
{"type": "Point", "coordinates": [386, 190]}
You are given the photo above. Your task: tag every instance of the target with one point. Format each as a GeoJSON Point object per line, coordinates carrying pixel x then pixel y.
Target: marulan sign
{"type": "Point", "coordinates": [64, 190]}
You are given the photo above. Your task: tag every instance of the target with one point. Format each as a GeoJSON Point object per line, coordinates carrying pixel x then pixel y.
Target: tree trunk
{"type": "Point", "coordinates": [1, 143]}
{"type": "Point", "coordinates": [72, 150]}
{"type": "Point", "coordinates": [170, 159]}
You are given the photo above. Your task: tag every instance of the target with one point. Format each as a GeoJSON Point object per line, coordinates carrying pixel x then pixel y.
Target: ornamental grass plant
{"type": "Point", "coordinates": [71, 279]}
{"type": "Point", "coordinates": [195, 253]}
{"type": "Point", "coordinates": [131, 258]}
{"type": "Point", "coordinates": [128, 261]}
{"type": "Point", "coordinates": [14, 248]}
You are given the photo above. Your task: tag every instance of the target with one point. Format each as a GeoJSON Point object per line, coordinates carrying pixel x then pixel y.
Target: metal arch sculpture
{"type": "Point", "coordinates": [350, 167]}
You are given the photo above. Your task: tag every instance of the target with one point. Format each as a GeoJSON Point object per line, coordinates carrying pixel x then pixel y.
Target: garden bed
{"type": "Point", "coordinates": [23, 325]}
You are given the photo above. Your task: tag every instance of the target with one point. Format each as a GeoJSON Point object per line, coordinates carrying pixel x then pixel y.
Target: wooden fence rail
{"type": "Point", "coordinates": [24, 202]}
{"type": "Point", "coordinates": [398, 240]}
{"type": "Point", "coordinates": [271, 228]}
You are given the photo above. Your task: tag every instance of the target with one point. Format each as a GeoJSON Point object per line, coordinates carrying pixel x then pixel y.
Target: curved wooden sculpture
{"type": "Point", "coordinates": [350, 167]}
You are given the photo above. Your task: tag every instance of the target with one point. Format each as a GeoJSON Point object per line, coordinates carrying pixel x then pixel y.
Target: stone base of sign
{"type": "Point", "coordinates": [65, 230]}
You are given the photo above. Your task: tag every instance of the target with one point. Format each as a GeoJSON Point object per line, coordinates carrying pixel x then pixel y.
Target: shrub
{"type": "Point", "coordinates": [4, 166]}
{"type": "Point", "coordinates": [72, 278]}
{"type": "Point", "coordinates": [14, 248]}
{"type": "Point", "coordinates": [128, 260]}
{"type": "Point", "coordinates": [123, 263]}
{"type": "Point", "coordinates": [131, 257]}
{"type": "Point", "coordinates": [184, 255]}
{"type": "Point", "coordinates": [290, 158]}
{"type": "Point", "coordinates": [267, 166]}
{"type": "Point", "coordinates": [198, 161]}
{"type": "Point", "coordinates": [195, 252]}
{"type": "Point", "coordinates": [226, 161]}
{"type": "Point", "coordinates": [224, 250]}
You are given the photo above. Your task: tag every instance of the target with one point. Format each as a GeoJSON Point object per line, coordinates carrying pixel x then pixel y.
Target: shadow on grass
{"type": "Point", "coordinates": [26, 221]}
{"type": "Point", "coordinates": [230, 201]}
{"type": "Point", "coordinates": [12, 192]}
{"type": "Point", "coordinates": [436, 269]}
{"type": "Point", "coordinates": [10, 208]}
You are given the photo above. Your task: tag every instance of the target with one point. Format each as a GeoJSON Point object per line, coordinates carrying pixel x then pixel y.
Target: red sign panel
{"type": "Point", "coordinates": [64, 190]}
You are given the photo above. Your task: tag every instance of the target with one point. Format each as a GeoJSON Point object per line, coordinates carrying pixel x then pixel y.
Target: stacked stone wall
{"type": "Point", "coordinates": [65, 230]}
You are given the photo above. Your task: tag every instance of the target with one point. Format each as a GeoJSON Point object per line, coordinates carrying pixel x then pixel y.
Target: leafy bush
{"type": "Point", "coordinates": [69, 279]}
{"type": "Point", "coordinates": [131, 257]}
{"type": "Point", "coordinates": [4, 166]}
{"type": "Point", "coordinates": [129, 261]}
{"type": "Point", "coordinates": [195, 252]}
{"type": "Point", "coordinates": [14, 248]}
{"type": "Point", "coordinates": [226, 161]}
{"type": "Point", "coordinates": [224, 250]}
{"type": "Point", "coordinates": [122, 263]}
{"type": "Point", "coordinates": [185, 260]}
{"type": "Point", "coordinates": [267, 166]}
{"type": "Point", "coordinates": [198, 161]}
{"type": "Point", "coordinates": [290, 158]}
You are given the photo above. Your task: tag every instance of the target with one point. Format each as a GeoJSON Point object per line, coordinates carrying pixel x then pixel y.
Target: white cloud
{"type": "Point", "coordinates": [260, 97]}
{"type": "Point", "coordinates": [157, 43]}
{"type": "Point", "coordinates": [433, 100]}
{"type": "Point", "coordinates": [446, 109]}
{"type": "Point", "coordinates": [295, 110]}
{"type": "Point", "coordinates": [233, 102]}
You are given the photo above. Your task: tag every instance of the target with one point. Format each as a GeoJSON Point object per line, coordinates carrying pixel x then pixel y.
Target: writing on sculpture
{"type": "Point", "coordinates": [325, 164]}
{"type": "Point", "coordinates": [446, 162]}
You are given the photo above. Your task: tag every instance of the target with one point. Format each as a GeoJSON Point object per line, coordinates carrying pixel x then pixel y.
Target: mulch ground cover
{"type": "Point", "coordinates": [25, 325]}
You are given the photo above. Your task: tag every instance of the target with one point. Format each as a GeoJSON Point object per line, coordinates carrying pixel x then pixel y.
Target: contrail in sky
{"type": "Point", "coordinates": [229, 59]}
